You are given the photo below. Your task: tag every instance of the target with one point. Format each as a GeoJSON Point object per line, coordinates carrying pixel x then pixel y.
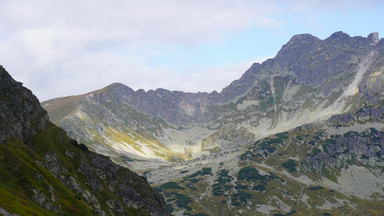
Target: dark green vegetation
{"type": "Point", "coordinates": [290, 165]}
{"type": "Point", "coordinates": [241, 198]}
{"type": "Point", "coordinates": [223, 183]}
{"type": "Point", "coordinates": [266, 147]}
{"type": "Point", "coordinates": [315, 188]}
{"type": "Point", "coordinates": [169, 185]}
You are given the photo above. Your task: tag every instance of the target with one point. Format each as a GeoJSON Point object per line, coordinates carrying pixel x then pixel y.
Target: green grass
{"type": "Point", "coordinates": [169, 185]}
{"type": "Point", "coordinates": [18, 181]}
{"type": "Point", "coordinates": [329, 175]}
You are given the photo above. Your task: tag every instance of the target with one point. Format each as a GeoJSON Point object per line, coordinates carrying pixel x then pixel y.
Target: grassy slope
{"type": "Point", "coordinates": [20, 174]}
{"type": "Point", "coordinates": [18, 180]}
{"type": "Point", "coordinates": [59, 108]}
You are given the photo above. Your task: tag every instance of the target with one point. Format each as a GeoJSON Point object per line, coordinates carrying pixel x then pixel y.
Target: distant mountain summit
{"type": "Point", "coordinates": [308, 80]}
{"type": "Point", "coordinates": [44, 172]}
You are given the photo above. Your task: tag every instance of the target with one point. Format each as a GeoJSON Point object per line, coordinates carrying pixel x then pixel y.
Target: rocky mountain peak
{"type": "Point", "coordinates": [314, 61]}
{"type": "Point", "coordinates": [339, 35]}
{"type": "Point", "coordinates": [21, 115]}
{"type": "Point", "coordinates": [117, 88]}
{"type": "Point", "coordinates": [302, 39]}
{"type": "Point", "coordinates": [374, 36]}
{"type": "Point", "coordinates": [298, 46]}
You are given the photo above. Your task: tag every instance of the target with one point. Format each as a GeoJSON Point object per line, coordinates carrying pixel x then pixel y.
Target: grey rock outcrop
{"type": "Point", "coordinates": [20, 112]}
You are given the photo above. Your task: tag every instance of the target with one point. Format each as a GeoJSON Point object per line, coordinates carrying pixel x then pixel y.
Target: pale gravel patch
{"type": "Point", "coordinates": [340, 105]}
{"type": "Point", "coordinates": [266, 126]}
{"type": "Point", "coordinates": [304, 199]}
{"type": "Point", "coordinates": [290, 91]}
{"type": "Point", "coordinates": [266, 166]}
{"type": "Point", "coordinates": [265, 209]}
{"type": "Point", "coordinates": [302, 179]}
{"type": "Point", "coordinates": [328, 205]}
{"type": "Point", "coordinates": [178, 140]}
{"type": "Point", "coordinates": [145, 152]}
{"type": "Point", "coordinates": [178, 213]}
{"type": "Point", "coordinates": [271, 82]}
{"type": "Point", "coordinates": [247, 103]}
{"type": "Point", "coordinates": [345, 202]}
{"type": "Point", "coordinates": [281, 205]}
{"type": "Point", "coordinates": [112, 152]}
{"type": "Point", "coordinates": [357, 181]}
{"type": "Point", "coordinates": [305, 180]}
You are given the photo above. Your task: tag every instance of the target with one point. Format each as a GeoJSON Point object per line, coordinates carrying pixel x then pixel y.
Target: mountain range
{"type": "Point", "coordinates": [308, 80]}
{"type": "Point", "coordinates": [299, 134]}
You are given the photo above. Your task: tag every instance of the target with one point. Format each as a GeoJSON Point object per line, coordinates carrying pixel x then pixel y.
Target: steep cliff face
{"type": "Point", "coordinates": [44, 172]}
{"type": "Point", "coordinates": [20, 112]}
{"type": "Point", "coordinates": [308, 80]}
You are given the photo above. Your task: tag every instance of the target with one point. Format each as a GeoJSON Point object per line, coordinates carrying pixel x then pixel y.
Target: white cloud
{"type": "Point", "coordinates": [69, 47]}
{"type": "Point", "coordinates": [339, 4]}
{"type": "Point", "coordinates": [209, 79]}
{"type": "Point", "coordinates": [135, 21]}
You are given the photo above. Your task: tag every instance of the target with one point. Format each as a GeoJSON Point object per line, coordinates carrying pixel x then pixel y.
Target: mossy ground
{"type": "Point", "coordinates": [19, 178]}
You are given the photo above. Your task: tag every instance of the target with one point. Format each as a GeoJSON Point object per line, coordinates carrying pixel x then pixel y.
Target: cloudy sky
{"type": "Point", "coordinates": [60, 48]}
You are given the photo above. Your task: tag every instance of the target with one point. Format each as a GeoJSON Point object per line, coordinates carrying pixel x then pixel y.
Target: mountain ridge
{"type": "Point", "coordinates": [304, 64]}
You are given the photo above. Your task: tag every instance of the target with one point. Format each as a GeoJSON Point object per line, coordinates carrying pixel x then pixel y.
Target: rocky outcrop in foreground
{"type": "Point", "coordinates": [20, 113]}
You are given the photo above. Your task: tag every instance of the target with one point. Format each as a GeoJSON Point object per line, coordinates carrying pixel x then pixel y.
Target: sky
{"type": "Point", "coordinates": [59, 48]}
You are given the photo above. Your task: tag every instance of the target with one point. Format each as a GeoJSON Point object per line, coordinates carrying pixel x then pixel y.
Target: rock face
{"type": "Point", "coordinates": [44, 172]}
{"type": "Point", "coordinates": [20, 112]}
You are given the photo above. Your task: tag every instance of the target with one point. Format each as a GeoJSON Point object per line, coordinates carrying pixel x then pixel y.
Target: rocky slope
{"type": "Point", "coordinates": [334, 167]}
{"type": "Point", "coordinates": [299, 134]}
{"type": "Point", "coordinates": [44, 172]}
{"type": "Point", "coordinates": [21, 115]}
